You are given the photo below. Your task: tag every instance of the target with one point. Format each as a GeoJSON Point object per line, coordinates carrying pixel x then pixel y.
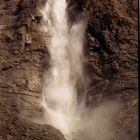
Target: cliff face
{"type": "Point", "coordinates": [112, 57]}
{"type": "Point", "coordinates": [111, 60]}
{"type": "Point", "coordinates": [21, 70]}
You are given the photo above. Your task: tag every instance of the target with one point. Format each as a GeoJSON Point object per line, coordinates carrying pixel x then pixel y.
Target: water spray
{"type": "Point", "coordinates": [60, 89]}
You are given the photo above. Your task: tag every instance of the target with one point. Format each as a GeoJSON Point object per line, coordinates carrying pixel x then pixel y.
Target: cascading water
{"type": "Point", "coordinates": [66, 51]}
{"type": "Point", "coordinates": [60, 90]}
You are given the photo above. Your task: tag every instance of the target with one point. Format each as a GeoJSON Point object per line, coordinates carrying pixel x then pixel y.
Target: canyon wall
{"type": "Point", "coordinates": [111, 60]}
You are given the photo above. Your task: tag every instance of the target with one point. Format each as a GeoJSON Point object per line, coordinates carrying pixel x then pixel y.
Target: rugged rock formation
{"type": "Point", "coordinates": [111, 60]}
{"type": "Point", "coordinates": [112, 57]}
{"type": "Point", "coordinates": [21, 69]}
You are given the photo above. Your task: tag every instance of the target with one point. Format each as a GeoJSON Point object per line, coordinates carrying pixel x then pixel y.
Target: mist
{"type": "Point", "coordinates": [66, 76]}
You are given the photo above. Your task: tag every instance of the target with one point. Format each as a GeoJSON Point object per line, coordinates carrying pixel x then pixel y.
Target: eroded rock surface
{"type": "Point", "coordinates": [21, 69]}
{"type": "Point", "coordinates": [112, 58]}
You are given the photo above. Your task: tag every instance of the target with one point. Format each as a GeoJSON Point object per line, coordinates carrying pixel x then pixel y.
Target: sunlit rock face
{"type": "Point", "coordinates": [66, 69]}
{"type": "Point", "coordinates": [21, 72]}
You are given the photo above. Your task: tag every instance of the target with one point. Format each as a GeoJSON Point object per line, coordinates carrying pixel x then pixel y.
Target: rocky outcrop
{"type": "Point", "coordinates": [112, 60]}
{"type": "Point", "coordinates": [110, 57]}
{"type": "Point", "coordinates": [23, 59]}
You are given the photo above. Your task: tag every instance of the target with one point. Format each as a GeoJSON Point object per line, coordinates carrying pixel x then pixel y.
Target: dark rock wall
{"type": "Point", "coordinates": [21, 70]}
{"type": "Point", "coordinates": [112, 57]}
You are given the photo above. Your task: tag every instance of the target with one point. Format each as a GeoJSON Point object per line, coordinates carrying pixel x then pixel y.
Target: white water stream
{"type": "Point", "coordinates": [65, 73]}
{"type": "Point", "coordinates": [66, 51]}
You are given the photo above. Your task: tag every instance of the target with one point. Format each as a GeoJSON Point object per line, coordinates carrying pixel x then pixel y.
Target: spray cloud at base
{"type": "Point", "coordinates": [60, 91]}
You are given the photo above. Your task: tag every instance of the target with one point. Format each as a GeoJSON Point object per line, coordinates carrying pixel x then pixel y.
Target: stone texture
{"type": "Point", "coordinates": [112, 58]}
{"type": "Point", "coordinates": [21, 72]}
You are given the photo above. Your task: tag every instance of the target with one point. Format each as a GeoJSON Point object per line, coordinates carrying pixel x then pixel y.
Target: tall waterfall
{"type": "Point", "coordinates": [62, 80]}
{"type": "Point", "coordinates": [66, 52]}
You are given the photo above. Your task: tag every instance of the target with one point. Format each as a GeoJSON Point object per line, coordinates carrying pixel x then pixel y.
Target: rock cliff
{"type": "Point", "coordinates": [111, 60]}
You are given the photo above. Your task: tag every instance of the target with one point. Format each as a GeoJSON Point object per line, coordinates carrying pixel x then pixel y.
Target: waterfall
{"type": "Point", "coordinates": [62, 80]}
{"type": "Point", "coordinates": [66, 69]}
